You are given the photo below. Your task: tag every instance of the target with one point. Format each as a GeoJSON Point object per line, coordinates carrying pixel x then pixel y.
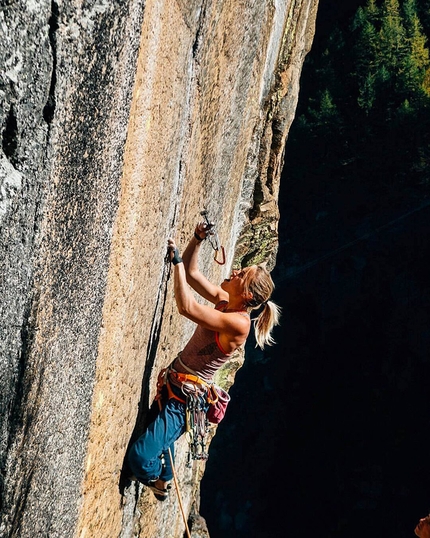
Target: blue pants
{"type": "Point", "coordinates": [149, 455]}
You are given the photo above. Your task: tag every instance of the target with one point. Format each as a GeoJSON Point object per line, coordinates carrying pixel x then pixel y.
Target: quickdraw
{"type": "Point", "coordinates": [213, 238]}
{"type": "Point", "coordinates": [196, 427]}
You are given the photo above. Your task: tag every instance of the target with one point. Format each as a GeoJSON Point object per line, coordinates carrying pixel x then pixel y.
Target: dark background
{"type": "Point", "coordinates": [327, 432]}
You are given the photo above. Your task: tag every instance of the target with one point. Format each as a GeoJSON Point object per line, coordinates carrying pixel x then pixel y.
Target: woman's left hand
{"type": "Point", "coordinates": [175, 257]}
{"type": "Point", "coordinates": [171, 245]}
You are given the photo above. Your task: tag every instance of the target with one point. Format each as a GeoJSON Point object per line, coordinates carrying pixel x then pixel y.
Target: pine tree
{"type": "Point", "coordinates": [393, 51]}
{"type": "Point", "coordinates": [366, 49]}
{"type": "Point", "coordinates": [423, 10]}
{"type": "Point", "coordinates": [417, 62]}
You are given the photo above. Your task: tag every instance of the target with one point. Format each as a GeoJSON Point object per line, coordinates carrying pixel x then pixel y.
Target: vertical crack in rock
{"type": "Point", "coordinates": [10, 136]}
{"type": "Point", "coordinates": [49, 109]}
{"type": "Point", "coordinates": [131, 513]}
{"type": "Point", "coordinates": [154, 338]}
{"type": "Point", "coordinates": [157, 320]}
{"type": "Point", "coordinates": [21, 503]}
{"type": "Point", "coordinates": [197, 40]}
{"type": "Point", "coordinates": [20, 422]}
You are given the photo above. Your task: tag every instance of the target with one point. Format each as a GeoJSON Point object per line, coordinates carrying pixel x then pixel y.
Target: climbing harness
{"type": "Point", "coordinates": [213, 238]}
{"type": "Point", "coordinates": [198, 396]}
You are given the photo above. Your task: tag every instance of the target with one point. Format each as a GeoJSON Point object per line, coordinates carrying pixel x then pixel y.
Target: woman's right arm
{"type": "Point", "coordinates": [195, 278]}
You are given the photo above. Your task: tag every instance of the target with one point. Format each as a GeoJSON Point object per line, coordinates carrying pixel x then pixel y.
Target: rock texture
{"type": "Point", "coordinates": [120, 121]}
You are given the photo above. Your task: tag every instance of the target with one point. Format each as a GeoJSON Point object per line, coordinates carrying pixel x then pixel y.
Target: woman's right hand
{"type": "Point", "coordinates": [203, 229]}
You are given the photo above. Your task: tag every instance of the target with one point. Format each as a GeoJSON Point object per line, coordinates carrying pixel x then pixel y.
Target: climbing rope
{"type": "Point", "coordinates": [175, 480]}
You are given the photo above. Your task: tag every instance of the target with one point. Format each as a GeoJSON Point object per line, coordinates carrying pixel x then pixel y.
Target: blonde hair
{"type": "Point", "coordinates": [261, 285]}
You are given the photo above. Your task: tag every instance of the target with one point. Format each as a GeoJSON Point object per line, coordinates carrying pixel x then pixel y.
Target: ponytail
{"type": "Point", "coordinates": [265, 322]}
{"type": "Point", "coordinates": [261, 286]}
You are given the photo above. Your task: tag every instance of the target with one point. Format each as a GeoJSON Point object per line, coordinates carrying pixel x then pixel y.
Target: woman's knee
{"type": "Point", "coordinates": [143, 467]}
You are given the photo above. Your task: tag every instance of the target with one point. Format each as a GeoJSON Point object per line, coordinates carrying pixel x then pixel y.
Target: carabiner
{"type": "Point", "coordinates": [213, 238]}
{"type": "Point", "coordinates": [223, 255]}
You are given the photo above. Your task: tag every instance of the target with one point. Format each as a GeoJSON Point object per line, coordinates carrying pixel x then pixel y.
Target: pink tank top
{"type": "Point", "coordinates": [203, 354]}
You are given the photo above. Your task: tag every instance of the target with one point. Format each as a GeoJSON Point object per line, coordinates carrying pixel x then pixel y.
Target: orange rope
{"type": "Point", "coordinates": [175, 479]}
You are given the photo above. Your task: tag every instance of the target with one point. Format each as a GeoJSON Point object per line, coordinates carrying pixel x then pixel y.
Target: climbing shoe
{"type": "Point", "coordinates": [160, 494]}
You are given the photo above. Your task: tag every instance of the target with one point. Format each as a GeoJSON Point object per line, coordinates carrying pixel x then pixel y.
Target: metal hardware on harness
{"type": "Point", "coordinates": [196, 426]}
{"type": "Point", "coordinates": [213, 238]}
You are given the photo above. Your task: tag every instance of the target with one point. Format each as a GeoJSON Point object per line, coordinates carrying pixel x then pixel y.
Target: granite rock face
{"type": "Point", "coordinates": [120, 121]}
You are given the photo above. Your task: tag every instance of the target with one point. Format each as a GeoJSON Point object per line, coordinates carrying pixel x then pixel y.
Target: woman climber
{"type": "Point", "coordinates": [220, 331]}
